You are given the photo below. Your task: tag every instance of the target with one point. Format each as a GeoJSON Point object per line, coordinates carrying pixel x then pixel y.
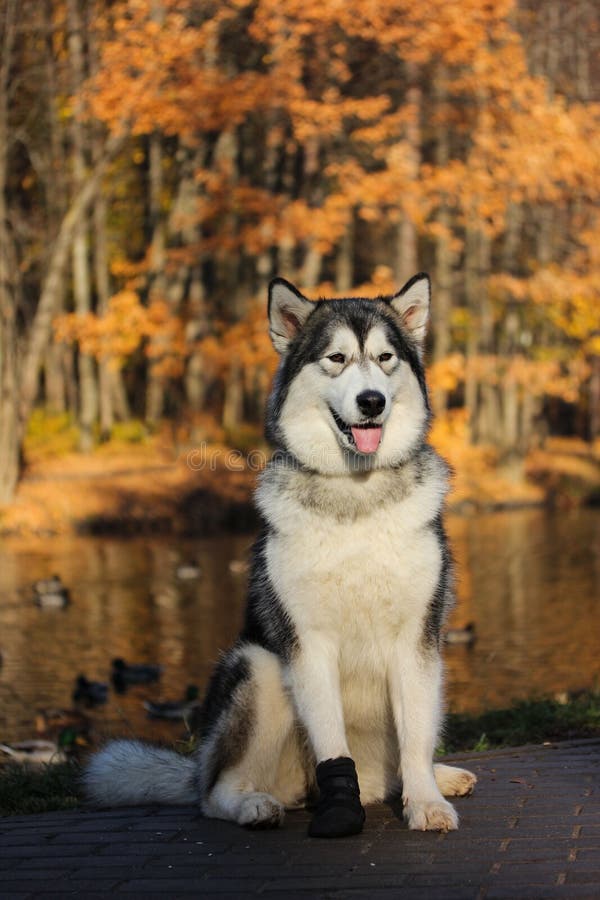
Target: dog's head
{"type": "Point", "coordinates": [350, 392]}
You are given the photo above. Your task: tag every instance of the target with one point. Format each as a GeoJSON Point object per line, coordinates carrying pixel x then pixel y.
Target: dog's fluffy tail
{"type": "Point", "coordinates": [129, 773]}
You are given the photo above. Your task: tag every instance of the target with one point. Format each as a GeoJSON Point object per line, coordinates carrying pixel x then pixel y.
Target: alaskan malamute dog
{"type": "Point", "coordinates": [332, 692]}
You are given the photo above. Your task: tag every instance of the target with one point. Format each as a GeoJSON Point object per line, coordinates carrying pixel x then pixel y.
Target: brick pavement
{"type": "Point", "coordinates": [530, 831]}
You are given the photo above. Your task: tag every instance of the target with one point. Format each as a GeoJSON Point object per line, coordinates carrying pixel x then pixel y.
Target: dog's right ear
{"type": "Point", "coordinates": [288, 311]}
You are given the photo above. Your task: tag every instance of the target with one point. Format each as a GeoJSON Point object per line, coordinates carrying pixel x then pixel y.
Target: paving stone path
{"type": "Point", "coordinates": [531, 831]}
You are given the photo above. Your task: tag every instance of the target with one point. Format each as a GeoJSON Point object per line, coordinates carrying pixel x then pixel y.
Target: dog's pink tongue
{"type": "Point", "coordinates": [366, 439]}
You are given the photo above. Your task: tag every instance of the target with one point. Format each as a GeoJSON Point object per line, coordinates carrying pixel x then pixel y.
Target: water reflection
{"type": "Point", "coordinates": [530, 581]}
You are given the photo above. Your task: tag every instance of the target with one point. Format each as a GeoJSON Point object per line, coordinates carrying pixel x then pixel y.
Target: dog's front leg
{"type": "Point", "coordinates": [315, 683]}
{"type": "Point", "coordinates": [415, 679]}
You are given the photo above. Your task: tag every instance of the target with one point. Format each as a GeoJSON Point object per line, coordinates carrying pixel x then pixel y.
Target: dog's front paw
{"type": "Point", "coordinates": [339, 812]}
{"type": "Point", "coordinates": [431, 815]}
{"type": "Point", "coordinates": [260, 811]}
{"type": "Point", "coordinates": [454, 782]}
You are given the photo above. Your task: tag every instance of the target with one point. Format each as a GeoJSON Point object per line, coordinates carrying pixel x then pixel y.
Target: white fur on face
{"type": "Point", "coordinates": [307, 423]}
{"type": "Point", "coordinates": [360, 372]}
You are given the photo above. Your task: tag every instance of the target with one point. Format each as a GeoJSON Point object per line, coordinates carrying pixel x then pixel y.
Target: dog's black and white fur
{"type": "Point", "coordinates": [335, 682]}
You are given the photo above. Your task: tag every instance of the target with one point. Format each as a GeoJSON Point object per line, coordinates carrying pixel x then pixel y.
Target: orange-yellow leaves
{"type": "Point", "coordinates": [531, 377]}
{"type": "Point", "coordinates": [246, 344]}
{"type": "Point", "coordinates": [310, 67]}
{"type": "Point", "coordinates": [117, 334]}
{"type": "Point", "coordinates": [312, 120]}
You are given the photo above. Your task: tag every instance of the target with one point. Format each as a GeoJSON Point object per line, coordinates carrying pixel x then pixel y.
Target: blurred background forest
{"type": "Point", "coordinates": [161, 160]}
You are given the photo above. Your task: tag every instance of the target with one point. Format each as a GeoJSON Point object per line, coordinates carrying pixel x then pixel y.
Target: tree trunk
{"type": "Point", "coordinates": [120, 401]}
{"type": "Point", "coordinates": [545, 234]}
{"type": "Point", "coordinates": [194, 382]}
{"type": "Point", "coordinates": [9, 377]}
{"type": "Point", "coordinates": [442, 300]}
{"type": "Point", "coordinates": [553, 41]}
{"type": "Point", "coordinates": [234, 398]}
{"type": "Point", "coordinates": [9, 421]}
{"type": "Point", "coordinates": [86, 367]}
{"type": "Point", "coordinates": [286, 244]}
{"type": "Point", "coordinates": [509, 338]}
{"type": "Point", "coordinates": [584, 48]}
{"type": "Point", "coordinates": [489, 413]}
{"type": "Point", "coordinates": [530, 408]}
{"type": "Point", "coordinates": [188, 287]}
{"type": "Point", "coordinates": [9, 416]}
{"type": "Point", "coordinates": [511, 390]}
{"type": "Point", "coordinates": [54, 378]}
{"type": "Point", "coordinates": [344, 261]}
{"type": "Point", "coordinates": [41, 328]}
{"type": "Point", "coordinates": [55, 359]}
{"type": "Point", "coordinates": [406, 263]}
{"type": "Point", "coordinates": [105, 375]}
{"type": "Point", "coordinates": [406, 254]}
{"type": "Point", "coordinates": [442, 307]}
{"type": "Point", "coordinates": [155, 394]}
{"type": "Point", "coordinates": [511, 243]}
{"type": "Point", "coordinates": [510, 418]}
{"type": "Point", "coordinates": [481, 398]}
{"type": "Point", "coordinates": [88, 391]}
{"type": "Point", "coordinates": [471, 298]}
{"type": "Point", "coordinates": [311, 270]}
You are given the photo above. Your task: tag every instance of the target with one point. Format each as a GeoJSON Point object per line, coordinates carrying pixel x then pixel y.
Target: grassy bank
{"type": "Point", "coordinates": [528, 722]}
{"type": "Point", "coordinates": [24, 790]}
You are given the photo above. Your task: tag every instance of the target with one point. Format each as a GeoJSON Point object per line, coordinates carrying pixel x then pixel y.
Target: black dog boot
{"type": "Point", "coordinates": [339, 811]}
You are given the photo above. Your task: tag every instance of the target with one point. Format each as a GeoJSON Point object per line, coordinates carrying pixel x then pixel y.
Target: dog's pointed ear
{"type": "Point", "coordinates": [288, 311]}
{"type": "Point", "coordinates": [411, 303]}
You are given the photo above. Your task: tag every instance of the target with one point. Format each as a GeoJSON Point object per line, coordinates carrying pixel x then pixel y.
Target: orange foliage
{"type": "Point", "coordinates": [570, 300]}
{"type": "Point", "coordinates": [318, 103]}
{"type": "Point", "coordinates": [534, 377]}
{"type": "Point", "coordinates": [163, 71]}
{"type": "Point", "coordinates": [159, 71]}
{"type": "Point", "coordinates": [245, 344]}
{"type": "Point", "coordinates": [117, 334]}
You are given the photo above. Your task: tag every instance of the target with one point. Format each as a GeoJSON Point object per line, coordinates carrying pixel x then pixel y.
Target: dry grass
{"type": "Point", "coordinates": [141, 486]}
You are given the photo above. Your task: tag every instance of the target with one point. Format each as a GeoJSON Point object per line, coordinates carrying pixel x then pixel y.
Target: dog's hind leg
{"type": "Point", "coordinates": [454, 782]}
{"type": "Point", "coordinates": [240, 755]}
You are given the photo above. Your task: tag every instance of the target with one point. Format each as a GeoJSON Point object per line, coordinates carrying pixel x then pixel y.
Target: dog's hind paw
{"type": "Point", "coordinates": [433, 815]}
{"type": "Point", "coordinates": [454, 782]}
{"type": "Point", "coordinates": [258, 810]}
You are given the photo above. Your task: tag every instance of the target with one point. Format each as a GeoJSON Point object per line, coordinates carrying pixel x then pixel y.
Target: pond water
{"type": "Point", "coordinates": [528, 580]}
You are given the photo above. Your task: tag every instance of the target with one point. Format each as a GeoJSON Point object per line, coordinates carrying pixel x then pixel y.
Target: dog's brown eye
{"type": "Point", "coordinates": [385, 357]}
{"type": "Point", "coordinates": [337, 358]}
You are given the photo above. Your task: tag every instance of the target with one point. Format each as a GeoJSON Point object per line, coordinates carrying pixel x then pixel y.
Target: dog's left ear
{"type": "Point", "coordinates": [411, 303]}
{"type": "Point", "coordinates": [288, 311]}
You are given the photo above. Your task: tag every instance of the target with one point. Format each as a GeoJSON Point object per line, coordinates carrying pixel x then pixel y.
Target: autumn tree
{"type": "Point", "coordinates": [193, 151]}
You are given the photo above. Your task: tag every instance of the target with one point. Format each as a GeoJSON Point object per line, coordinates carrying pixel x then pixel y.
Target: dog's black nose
{"type": "Point", "coordinates": [370, 403]}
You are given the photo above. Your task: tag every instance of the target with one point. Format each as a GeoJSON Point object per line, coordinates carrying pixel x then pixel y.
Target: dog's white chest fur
{"type": "Point", "coordinates": [354, 559]}
{"type": "Point", "coordinates": [364, 578]}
